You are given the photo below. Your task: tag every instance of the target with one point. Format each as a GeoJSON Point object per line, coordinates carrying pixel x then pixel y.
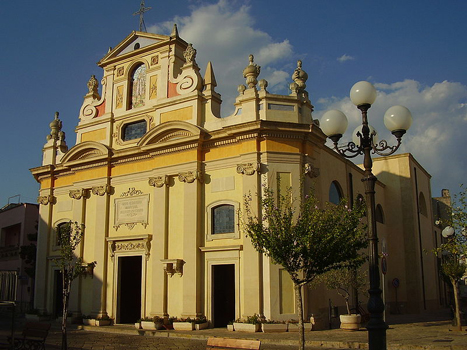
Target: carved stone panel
{"type": "Point", "coordinates": [130, 211]}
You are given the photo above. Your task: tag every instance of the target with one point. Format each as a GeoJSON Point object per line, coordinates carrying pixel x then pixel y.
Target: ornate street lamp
{"type": "Point", "coordinates": [334, 124]}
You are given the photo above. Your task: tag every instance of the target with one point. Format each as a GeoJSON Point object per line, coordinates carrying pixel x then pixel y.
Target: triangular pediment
{"type": "Point", "coordinates": [133, 42]}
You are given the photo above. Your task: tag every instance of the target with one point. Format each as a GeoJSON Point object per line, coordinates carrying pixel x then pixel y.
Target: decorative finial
{"type": "Point", "coordinates": [189, 54]}
{"type": "Point", "coordinates": [300, 77]}
{"type": "Point", "coordinates": [142, 10]}
{"type": "Point", "coordinates": [251, 72]}
{"type": "Point", "coordinates": [56, 132]}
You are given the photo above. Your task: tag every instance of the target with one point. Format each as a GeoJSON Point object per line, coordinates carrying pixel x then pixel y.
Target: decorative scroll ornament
{"type": "Point", "coordinates": [124, 245]}
{"type": "Point", "coordinates": [78, 194]}
{"type": "Point", "coordinates": [132, 191]}
{"type": "Point", "coordinates": [248, 168]}
{"type": "Point", "coordinates": [93, 86]}
{"type": "Point", "coordinates": [311, 171]}
{"type": "Point", "coordinates": [101, 190]}
{"type": "Point", "coordinates": [189, 79]}
{"type": "Point", "coordinates": [158, 181]}
{"type": "Point", "coordinates": [189, 54]}
{"type": "Point", "coordinates": [251, 72]}
{"type": "Point", "coordinates": [189, 176]}
{"type": "Point", "coordinates": [44, 200]}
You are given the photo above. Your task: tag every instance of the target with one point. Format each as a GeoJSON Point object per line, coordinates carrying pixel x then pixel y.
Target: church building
{"type": "Point", "coordinates": [158, 179]}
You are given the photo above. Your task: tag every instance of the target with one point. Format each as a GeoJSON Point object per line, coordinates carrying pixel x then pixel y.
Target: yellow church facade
{"type": "Point", "coordinates": [158, 179]}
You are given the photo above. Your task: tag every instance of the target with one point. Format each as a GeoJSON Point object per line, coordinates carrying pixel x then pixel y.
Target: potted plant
{"type": "Point", "coordinates": [183, 324]}
{"type": "Point", "coordinates": [343, 281]}
{"type": "Point", "coordinates": [152, 323]}
{"type": "Point", "coordinates": [201, 323]}
{"type": "Point", "coordinates": [103, 321]}
{"type": "Point", "coordinates": [248, 324]}
{"type": "Point", "coordinates": [88, 320]}
{"type": "Point", "coordinates": [272, 326]}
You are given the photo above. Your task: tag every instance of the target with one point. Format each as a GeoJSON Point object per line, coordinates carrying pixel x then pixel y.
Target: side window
{"type": "Point", "coordinates": [379, 214]}
{"type": "Point", "coordinates": [335, 193]}
{"type": "Point", "coordinates": [61, 232]}
{"type": "Point", "coordinates": [222, 220]}
{"type": "Point", "coordinates": [138, 87]}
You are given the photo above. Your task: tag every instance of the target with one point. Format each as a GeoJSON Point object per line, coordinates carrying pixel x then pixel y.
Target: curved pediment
{"type": "Point", "coordinates": [86, 150]}
{"type": "Point", "coordinates": [171, 131]}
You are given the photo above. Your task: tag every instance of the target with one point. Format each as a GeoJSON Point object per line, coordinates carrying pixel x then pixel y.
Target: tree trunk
{"type": "Point", "coordinates": [457, 314]}
{"type": "Point", "coordinates": [66, 295]}
{"type": "Point", "coordinates": [301, 328]}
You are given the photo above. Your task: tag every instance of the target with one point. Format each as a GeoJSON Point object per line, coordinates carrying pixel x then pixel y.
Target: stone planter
{"type": "Point", "coordinates": [184, 326]}
{"type": "Point", "coordinates": [100, 323]}
{"type": "Point", "coordinates": [151, 325]}
{"type": "Point", "coordinates": [293, 327]}
{"type": "Point", "coordinates": [137, 325]}
{"type": "Point", "coordinates": [230, 327]}
{"type": "Point", "coordinates": [89, 321]}
{"type": "Point", "coordinates": [350, 322]}
{"type": "Point", "coordinates": [203, 325]}
{"type": "Point", "coordinates": [247, 327]}
{"type": "Point", "coordinates": [274, 327]}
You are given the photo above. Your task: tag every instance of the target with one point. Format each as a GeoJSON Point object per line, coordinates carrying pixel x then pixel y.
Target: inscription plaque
{"type": "Point", "coordinates": [131, 211]}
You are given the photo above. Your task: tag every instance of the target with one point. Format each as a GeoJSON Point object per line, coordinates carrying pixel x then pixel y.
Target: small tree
{"type": "Point", "coordinates": [343, 281]}
{"type": "Point", "coordinates": [69, 237]}
{"type": "Point", "coordinates": [307, 243]}
{"type": "Point", "coordinates": [453, 251]}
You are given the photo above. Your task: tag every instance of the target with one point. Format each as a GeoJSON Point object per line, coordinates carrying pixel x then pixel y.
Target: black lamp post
{"type": "Point", "coordinates": [334, 123]}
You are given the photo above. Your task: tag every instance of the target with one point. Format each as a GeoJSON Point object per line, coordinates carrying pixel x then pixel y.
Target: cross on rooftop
{"type": "Point", "coordinates": [142, 10]}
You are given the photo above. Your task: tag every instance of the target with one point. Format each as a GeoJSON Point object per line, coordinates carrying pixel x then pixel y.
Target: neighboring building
{"type": "Point", "coordinates": [18, 228]}
{"type": "Point", "coordinates": [157, 177]}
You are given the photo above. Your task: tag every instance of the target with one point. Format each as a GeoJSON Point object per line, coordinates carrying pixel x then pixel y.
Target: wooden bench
{"type": "Point", "coordinates": [32, 337]}
{"type": "Point", "coordinates": [229, 344]}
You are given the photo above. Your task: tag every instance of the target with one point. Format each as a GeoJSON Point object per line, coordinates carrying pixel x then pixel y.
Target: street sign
{"type": "Point", "coordinates": [395, 282]}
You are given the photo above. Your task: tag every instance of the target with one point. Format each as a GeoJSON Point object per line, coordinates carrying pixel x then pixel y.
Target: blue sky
{"type": "Point", "coordinates": [413, 52]}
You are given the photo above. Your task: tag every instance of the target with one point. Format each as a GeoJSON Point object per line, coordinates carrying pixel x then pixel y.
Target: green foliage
{"type": "Point", "coordinates": [311, 241]}
{"type": "Point", "coordinates": [69, 237]}
{"type": "Point", "coordinates": [28, 254]}
{"type": "Point", "coordinates": [255, 319]}
{"type": "Point", "coordinates": [343, 281]}
{"type": "Point", "coordinates": [453, 250]}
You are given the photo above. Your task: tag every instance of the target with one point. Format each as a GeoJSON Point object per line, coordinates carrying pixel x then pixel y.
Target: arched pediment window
{"type": "Point", "coordinates": [222, 220]}
{"type": "Point", "coordinates": [138, 86]}
{"type": "Point", "coordinates": [379, 214]}
{"type": "Point", "coordinates": [422, 204]}
{"type": "Point", "coordinates": [335, 193]}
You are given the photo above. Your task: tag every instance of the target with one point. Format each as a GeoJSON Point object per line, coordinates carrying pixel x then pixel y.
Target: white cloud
{"type": "Point", "coordinates": [224, 34]}
{"type": "Point", "coordinates": [437, 136]}
{"type": "Point", "coordinates": [345, 58]}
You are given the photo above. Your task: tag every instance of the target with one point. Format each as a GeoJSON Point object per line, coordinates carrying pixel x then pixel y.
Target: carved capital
{"type": "Point", "coordinates": [158, 181]}
{"type": "Point", "coordinates": [310, 170]}
{"type": "Point", "coordinates": [78, 194]}
{"type": "Point", "coordinates": [248, 168]}
{"type": "Point", "coordinates": [101, 190]}
{"type": "Point", "coordinates": [189, 176]}
{"type": "Point", "coordinates": [44, 200]}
